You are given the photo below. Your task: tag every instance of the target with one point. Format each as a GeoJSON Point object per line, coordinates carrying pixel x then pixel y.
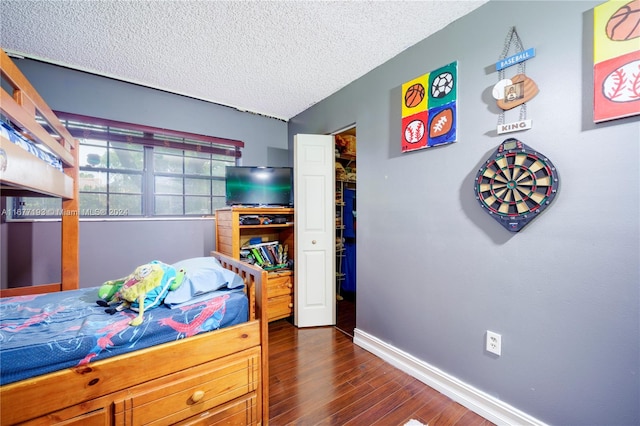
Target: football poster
{"type": "Point", "coordinates": [429, 109]}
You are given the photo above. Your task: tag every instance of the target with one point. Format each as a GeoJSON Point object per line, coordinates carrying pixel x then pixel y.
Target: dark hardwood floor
{"type": "Point", "coordinates": [346, 313]}
{"type": "Point", "coordinates": [319, 377]}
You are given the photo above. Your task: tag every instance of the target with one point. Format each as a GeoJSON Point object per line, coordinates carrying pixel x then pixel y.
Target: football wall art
{"type": "Point", "coordinates": [429, 109]}
{"type": "Point", "coordinates": [616, 60]}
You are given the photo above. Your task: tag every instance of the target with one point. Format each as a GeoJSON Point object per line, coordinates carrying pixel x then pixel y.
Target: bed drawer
{"type": "Point", "coordinates": [240, 412]}
{"type": "Point", "coordinates": [192, 392]}
{"type": "Point", "coordinates": [99, 417]}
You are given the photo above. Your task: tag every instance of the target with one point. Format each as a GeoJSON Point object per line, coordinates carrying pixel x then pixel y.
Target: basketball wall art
{"type": "Point", "coordinates": [429, 109]}
{"type": "Point", "coordinates": [616, 60]}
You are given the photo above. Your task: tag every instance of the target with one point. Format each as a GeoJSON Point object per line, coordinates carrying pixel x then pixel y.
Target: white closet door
{"type": "Point", "coordinates": [314, 198]}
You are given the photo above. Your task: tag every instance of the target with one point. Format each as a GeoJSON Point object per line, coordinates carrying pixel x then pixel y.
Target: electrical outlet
{"type": "Point", "coordinates": [494, 343]}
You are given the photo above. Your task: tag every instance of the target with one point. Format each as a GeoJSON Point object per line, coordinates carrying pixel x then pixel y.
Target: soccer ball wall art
{"type": "Point", "coordinates": [429, 109]}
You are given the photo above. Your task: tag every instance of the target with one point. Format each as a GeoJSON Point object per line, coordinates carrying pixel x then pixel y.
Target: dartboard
{"type": "Point", "coordinates": [516, 184]}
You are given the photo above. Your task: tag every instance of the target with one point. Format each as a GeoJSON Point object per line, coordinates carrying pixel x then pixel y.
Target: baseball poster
{"type": "Point", "coordinates": [616, 60]}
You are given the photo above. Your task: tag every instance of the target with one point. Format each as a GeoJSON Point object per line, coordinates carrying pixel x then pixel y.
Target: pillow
{"type": "Point", "coordinates": [202, 276]}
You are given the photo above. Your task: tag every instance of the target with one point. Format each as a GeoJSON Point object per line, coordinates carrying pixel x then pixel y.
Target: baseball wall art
{"type": "Point", "coordinates": [616, 60]}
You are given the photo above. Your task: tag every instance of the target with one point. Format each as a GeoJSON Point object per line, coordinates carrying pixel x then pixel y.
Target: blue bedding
{"type": "Point", "coordinates": [48, 332]}
{"type": "Point", "coordinates": [14, 137]}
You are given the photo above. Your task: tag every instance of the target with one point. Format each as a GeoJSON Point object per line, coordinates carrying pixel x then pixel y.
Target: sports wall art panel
{"type": "Point", "coordinates": [616, 60]}
{"type": "Point", "coordinates": [429, 109]}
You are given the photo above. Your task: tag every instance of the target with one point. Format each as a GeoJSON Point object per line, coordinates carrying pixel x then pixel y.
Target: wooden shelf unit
{"type": "Point", "coordinates": [231, 236]}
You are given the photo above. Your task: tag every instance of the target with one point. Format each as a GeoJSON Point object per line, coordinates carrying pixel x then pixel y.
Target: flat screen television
{"type": "Point", "coordinates": [259, 186]}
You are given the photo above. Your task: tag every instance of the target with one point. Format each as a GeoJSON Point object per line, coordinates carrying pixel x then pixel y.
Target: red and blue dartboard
{"type": "Point", "coordinates": [516, 184]}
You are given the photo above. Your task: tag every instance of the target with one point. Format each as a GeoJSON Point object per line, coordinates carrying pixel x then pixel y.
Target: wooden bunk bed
{"type": "Point", "coordinates": [216, 377]}
{"type": "Point", "coordinates": [23, 174]}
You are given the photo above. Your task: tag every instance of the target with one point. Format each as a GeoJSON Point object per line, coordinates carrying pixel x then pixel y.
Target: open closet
{"type": "Point", "coordinates": [345, 184]}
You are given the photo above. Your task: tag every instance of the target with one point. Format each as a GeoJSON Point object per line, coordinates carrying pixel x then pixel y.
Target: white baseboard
{"type": "Point", "coordinates": [475, 400]}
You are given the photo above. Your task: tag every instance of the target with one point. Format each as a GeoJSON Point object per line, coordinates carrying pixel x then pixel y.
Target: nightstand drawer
{"type": "Point", "coordinates": [280, 307]}
{"type": "Point", "coordinates": [279, 285]}
{"type": "Point", "coordinates": [185, 394]}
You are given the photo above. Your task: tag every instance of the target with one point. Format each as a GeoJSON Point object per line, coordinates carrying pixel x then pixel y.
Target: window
{"type": "Point", "coordinates": [111, 177]}
{"type": "Point", "coordinates": [132, 170]}
{"type": "Point", "coordinates": [187, 182]}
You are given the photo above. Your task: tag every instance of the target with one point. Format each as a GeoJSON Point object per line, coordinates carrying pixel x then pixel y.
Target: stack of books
{"type": "Point", "coordinates": [270, 255]}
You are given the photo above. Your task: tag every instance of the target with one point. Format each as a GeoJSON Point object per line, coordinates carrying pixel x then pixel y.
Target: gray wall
{"type": "Point", "coordinates": [82, 93]}
{"type": "Point", "coordinates": [108, 249]}
{"type": "Point", "coordinates": [563, 292]}
{"type": "Point", "coordinates": [31, 251]}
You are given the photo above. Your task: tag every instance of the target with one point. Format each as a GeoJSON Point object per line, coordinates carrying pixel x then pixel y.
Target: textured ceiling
{"type": "Point", "coordinates": [273, 58]}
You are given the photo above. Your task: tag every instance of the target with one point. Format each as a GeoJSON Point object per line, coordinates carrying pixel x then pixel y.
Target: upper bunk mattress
{"type": "Point", "coordinates": [14, 137]}
{"type": "Point", "coordinates": [49, 332]}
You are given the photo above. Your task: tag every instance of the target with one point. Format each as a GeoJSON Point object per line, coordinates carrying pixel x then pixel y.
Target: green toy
{"type": "Point", "coordinates": [145, 288]}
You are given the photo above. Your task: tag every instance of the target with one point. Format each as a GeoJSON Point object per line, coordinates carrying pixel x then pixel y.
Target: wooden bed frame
{"type": "Point", "coordinates": [22, 174]}
{"type": "Point", "coordinates": [211, 378]}
{"type": "Point", "coordinates": [219, 377]}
